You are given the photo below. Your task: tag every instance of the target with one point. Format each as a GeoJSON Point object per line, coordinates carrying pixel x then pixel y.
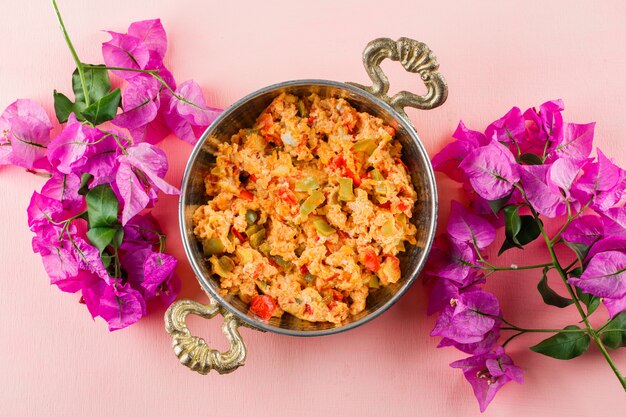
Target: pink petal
{"type": "Point", "coordinates": [577, 140]}
{"type": "Point", "coordinates": [563, 172]}
{"type": "Point", "coordinates": [121, 307]}
{"type": "Point", "coordinates": [152, 161]}
{"type": "Point", "coordinates": [614, 305]}
{"type": "Point", "coordinates": [151, 34]}
{"type": "Point", "coordinates": [450, 157]}
{"type": "Point", "coordinates": [158, 269]}
{"type": "Point", "coordinates": [510, 127]}
{"type": "Point", "coordinates": [140, 102]}
{"type": "Point", "coordinates": [540, 194]}
{"type": "Point", "coordinates": [125, 51]}
{"type": "Point", "coordinates": [70, 149]}
{"type": "Point", "coordinates": [64, 188]}
{"type": "Point", "coordinates": [132, 191]}
{"type": "Point", "coordinates": [492, 170]}
{"type": "Point", "coordinates": [604, 276]}
{"type": "Point", "coordinates": [467, 227]}
{"type": "Point", "coordinates": [584, 229]}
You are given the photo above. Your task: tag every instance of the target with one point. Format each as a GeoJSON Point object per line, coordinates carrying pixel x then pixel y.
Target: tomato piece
{"type": "Point", "coordinates": [356, 180]}
{"type": "Point", "coordinates": [253, 178]}
{"type": "Point", "coordinates": [263, 306]}
{"type": "Point", "coordinates": [304, 270]}
{"type": "Point", "coordinates": [386, 205]}
{"type": "Point", "coordinates": [310, 120]}
{"type": "Point", "coordinates": [238, 234]}
{"type": "Point", "coordinates": [331, 305]}
{"type": "Point", "coordinates": [402, 206]}
{"type": "Point", "coordinates": [370, 260]}
{"type": "Point", "coordinates": [343, 234]}
{"type": "Point", "coordinates": [308, 309]}
{"type": "Point", "coordinates": [287, 196]}
{"type": "Point", "coordinates": [337, 296]}
{"type": "Point", "coordinates": [246, 195]}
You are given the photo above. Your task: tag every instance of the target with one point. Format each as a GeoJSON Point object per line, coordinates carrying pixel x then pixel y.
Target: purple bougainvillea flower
{"type": "Point", "coordinates": [491, 170]}
{"type": "Point", "coordinates": [121, 306]}
{"type": "Point", "coordinates": [152, 36]}
{"type": "Point", "coordinates": [603, 181]}
{"type": "Point", "coordinates": [101, 160]}
{"type": "Point", "coordinates": [159, 277]}
{"type": "Point", "coordinates": [188, 119]}
{"type": "Point", "coordinates": [470, 228]}
{"type": "Point", "coordinates": [88, 258]}
{"type": "Point", "coordinates": [546, 123]}
{"type": "Point", "coordinates": [478, 348]}
{"type": "Point", "coordinates": [43, 210]}
{"type": "Point", "coordinates": [562, 174]}
{"type": "Point", "coordinates": [150, 163]}
{"type": "Point", "coordinates": [442, 292]}
{"type": "Point", "coordinates": [468, 318]}
{"type": "Point", "coordinates": [64, 188]}
{"type": "Point", "coordinates": [449, 158]}
{"type": "Point", "coordinates": [69, 150]}
{"type": "Point", "coordinates": [614, 305]}
{"type": "Point", "coordinates": [125, 51]}
{"type": "Point", "coordinates": [451, 259]}
{"type": "Point", "coordinates": [584, 229]}
{"type": "Point", "coordinates": [142, 231]}
{"type": "Point", "coordinates": [605, 275]}
{"type": "Point", "coordinates": [539, 193]}
{"type": "Point", "coordinates": [58, 260]}
{"type": "Point", "coordinates": [487, 373]}
{"type": "Point", "coordinates": [510, 128]}
{"type": "Point", "coordinates": [24, 135]}
{"type": "Point", "coordinates": [140, 102]}
{"type": "Point", "coordinates": [576, 141]}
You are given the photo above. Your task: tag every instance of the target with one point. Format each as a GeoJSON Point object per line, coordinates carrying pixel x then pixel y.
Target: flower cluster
{"type": "Point", "coordinates": [528, 167]}
{"type": "Point", "coordinates": [91, 221]}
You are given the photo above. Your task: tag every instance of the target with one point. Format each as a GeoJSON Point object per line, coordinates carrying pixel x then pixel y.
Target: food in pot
{"type": "Point", "coordinates": [308, 210]}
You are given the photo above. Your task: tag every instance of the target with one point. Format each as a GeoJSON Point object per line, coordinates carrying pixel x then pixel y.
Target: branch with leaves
{"type": "Point", "coordinates": [91, 219]}
{"type": "Point", "coordinates": [527, 169]}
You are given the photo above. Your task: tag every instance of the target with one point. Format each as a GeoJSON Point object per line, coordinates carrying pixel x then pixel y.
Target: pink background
{"type": "Point", "coordinates": [55, 361]}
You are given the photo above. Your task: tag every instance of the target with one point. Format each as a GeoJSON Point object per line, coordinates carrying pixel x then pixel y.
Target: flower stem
{"type": "Point", "coordinates": [572, 294]}
{"type": "Point", "coordinates": [79, 65]}
{"type": "Point", "coordinates": [520, 268]}
{"type": "Point", "coordinates": [520, 329]}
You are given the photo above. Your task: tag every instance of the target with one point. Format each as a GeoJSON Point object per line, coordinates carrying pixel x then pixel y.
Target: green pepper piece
{"type": "Point", "coordinates": [262, 285]}
{"type": "Point", "coordinates": [367, 146]}
{"type": "Point", "coordinates": [302, 109]}
{"type": "Point", "coordinates": [307, 184]}
{"type": "Point", "coordinates": [346, 192]}
{"type": "Point", "coordinates": [212, 246]}
{"type": "Point", "coordinates": [374, 283]}
{"type": "Point", "coordinates": [322, 227]}
{"type": "Point", "coordinates": [311, 203]}
{"type": "Point", "coordinates": [251, 217]}
{"type": "Point", "coordinates": [281, 262]}
{"type": "Point", "coordinates": [247, 255]}
{"type": "Point", "coordinates": [253, 229]}
{"type": "Point", "coordinates": [377, 175]}
{"type": "Point", "coordinates": [226, 263]}
{"type": "Point", "coordinates": [308, 277]}
{"type": "Point", "coordinates": [265, 248]}
{"type": "Point", "coordinates": [257, 238]}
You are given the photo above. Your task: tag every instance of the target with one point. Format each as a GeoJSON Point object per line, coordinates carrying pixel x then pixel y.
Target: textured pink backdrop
{"type": "Point", "coordinates": [55, 361]}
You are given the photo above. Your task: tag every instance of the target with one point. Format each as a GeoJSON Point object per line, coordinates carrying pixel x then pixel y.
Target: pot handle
{"type": "Point", "coordinates": [193, 351]}
{"type": "Point", "coordinates": [415, 57]}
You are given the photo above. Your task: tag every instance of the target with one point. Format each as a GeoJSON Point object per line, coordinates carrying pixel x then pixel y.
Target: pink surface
{"type": "Point", "coordinates": [55, 361]}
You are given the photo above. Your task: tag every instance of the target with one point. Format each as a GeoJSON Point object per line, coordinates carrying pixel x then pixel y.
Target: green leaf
{"type": "Point", "coordinates": [564, 345]}
{"type": "Point", "coordinates": [579, 249]}
{"type": "Point", "coordinates": [97, 84]}
{"type": "Point", "coordinates": [85, 179]}
{"type": "Point", "coordinates": [528, 232]}
{"type": "Point", "coordinates": [106, 259]}
{"type": "Point", "coordinates": [614, 334]}
{"type": "Point", "coordinates": [550, 296]}
{"type": "Point", "coordinates": [102, 206]}
{"type": "Point", "coordinates": [119, 236]}
{"type": "Point", "coordinates": [104, 109]}
{"type": "Point", "coordinates": [496, 205]}
{"type": "Point", "coordinates": [63, 107]}
{"type": "Point", "coordinates": [590, 301]}
{"type": "Point", "coordinates": [101, 237]}
{"type": "Point", "coordinates": [530, 159]}
{"type": "Point", "coordinates": [512, 224]}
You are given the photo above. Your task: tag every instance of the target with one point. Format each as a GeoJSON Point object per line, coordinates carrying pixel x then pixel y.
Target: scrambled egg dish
{"type": "Point", "coordinates": [307, 210]}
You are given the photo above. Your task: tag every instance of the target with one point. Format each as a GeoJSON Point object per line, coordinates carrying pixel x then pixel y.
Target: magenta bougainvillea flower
{"type": "Point", "coordinates": [525, 168]}
{"type": "Point", "coordinates": [487, 373]}
{"type": "Point", "coordinates": [24, 135]}
{"type": "Point", "coordinates": [492, 170]}
{"type": "Point", "coordinates": [90, 220]}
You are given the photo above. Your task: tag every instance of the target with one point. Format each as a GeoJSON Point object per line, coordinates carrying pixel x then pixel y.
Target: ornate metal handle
{"type": "Point", "coordinates": [193, 351]}
{"type": "Point", "coordinates": [415, 57]}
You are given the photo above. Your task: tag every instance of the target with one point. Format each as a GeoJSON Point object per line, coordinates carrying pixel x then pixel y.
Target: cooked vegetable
{"type": "Point", "coordinates": [322, 227]}
{"type": "Point", "coordinates": [345, 189]}
{"type": "Point", "coordinates": [388, 229]}
{"type": "Point", "coordinates": [212, 246]}
{"type": "Point", "coordinates": [257, 238]}
{"type": "Point", "coordinates": [374, 283]}
{"type": "Point", "coordinates": [307, 184]}
{"type": "Point", "coordinates": [367, 146]}
{"type": "Point", "coordinates": [311, 203]}
{"type": "Point", "coordinates": [389, 271]}
{"type": "Point", "coordinates": [263, 306]}
{"type": "Point", "coordinates": [251, 217]}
